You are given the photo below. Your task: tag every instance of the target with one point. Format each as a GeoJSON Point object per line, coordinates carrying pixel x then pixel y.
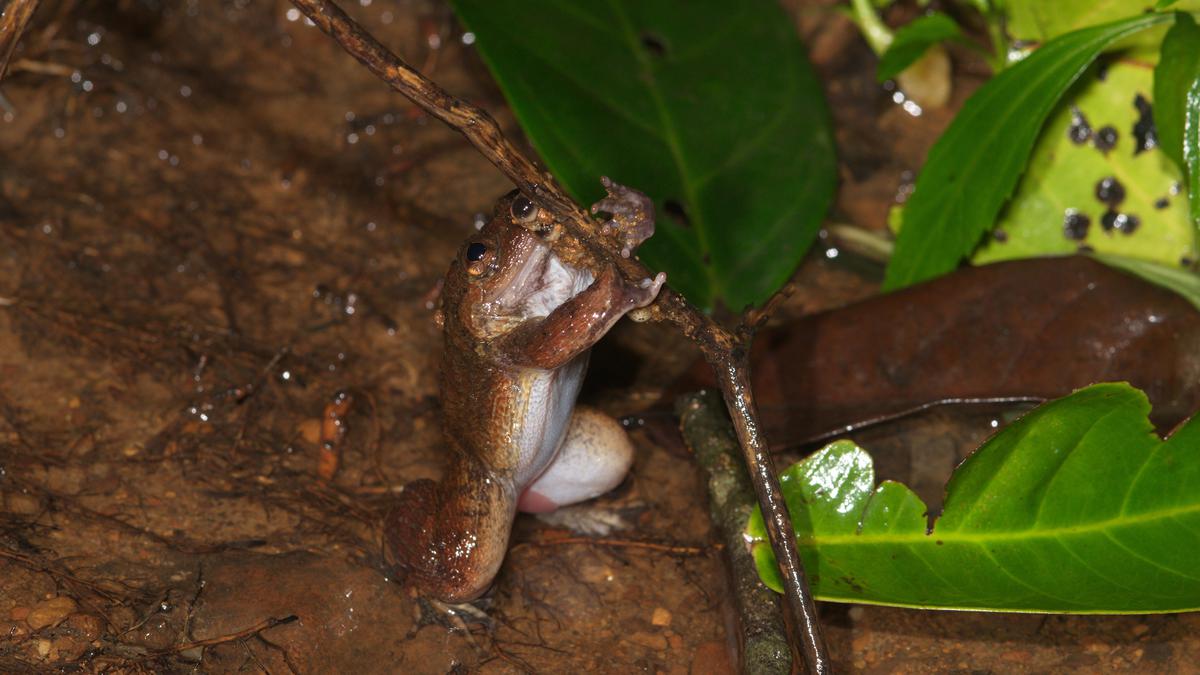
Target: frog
{"type": "Point", "coordinates": [518, 324]}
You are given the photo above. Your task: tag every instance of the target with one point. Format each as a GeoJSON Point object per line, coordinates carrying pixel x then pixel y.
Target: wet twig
{"type": "Point", "coordinates": [14, 17]}
{"type": "Point", "coordinates": [254, 630]}
{"type": "Point", "coordinates": [582, 245]}
{"type": "Point", "coordinates": [672, 549]}
{"type": "Point", "coordinates": [760, 631]}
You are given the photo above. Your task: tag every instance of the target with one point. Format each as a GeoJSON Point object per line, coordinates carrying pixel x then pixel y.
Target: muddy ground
{"type": "Point", "coordinates": [215, 230]}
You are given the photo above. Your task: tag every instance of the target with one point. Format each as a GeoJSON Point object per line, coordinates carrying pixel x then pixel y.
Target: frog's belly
{"type": "Point", "coordinates": [546, 399]}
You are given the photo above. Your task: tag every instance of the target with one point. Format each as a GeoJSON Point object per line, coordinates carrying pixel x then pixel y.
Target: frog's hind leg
{"type": "Point", "coordinates": [594, 458]}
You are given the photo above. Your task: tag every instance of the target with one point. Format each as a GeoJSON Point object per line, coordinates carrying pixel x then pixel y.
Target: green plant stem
{"type": "Point", "coordinates": [874, 30]}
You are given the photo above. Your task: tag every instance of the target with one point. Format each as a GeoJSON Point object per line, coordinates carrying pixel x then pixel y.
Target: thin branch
{"type": "Point", "coordinates": [257, 628]}
{"type": "Point", "coordinates": [14, 16]}
{"type": "Point", "coordinates": [672, 549]}
{"type": "Point", "coordinates": [582, 245]}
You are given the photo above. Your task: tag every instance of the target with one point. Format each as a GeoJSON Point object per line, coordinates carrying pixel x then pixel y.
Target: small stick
{"type": "Point", "coordinates": [14, 16]}
{"type": "Point", "coordinates": [673, 549]}
{"type": "Point", "coordinates": [761, 631]}
{"type": "Point", "coordinates": [257, 628]}
{"type": "Point", "coordinates": [582, 245]}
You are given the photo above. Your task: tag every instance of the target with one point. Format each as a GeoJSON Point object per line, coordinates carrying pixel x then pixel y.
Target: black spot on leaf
{"type": "Point", "coordinates": [1079, 131]}
{"type": "Point", "coordinates": [1110, 191]}
{"type": "Point", "coordinates": [1105, 138]}
{"type": "Point", "coordinates": [1144, 134]}
{"type": "Point", "coordinates": [1075, 225]}
{"type": "Point", "coordinates": [677, 213]}
{"type": "Point", "coordinates": [654, 45]}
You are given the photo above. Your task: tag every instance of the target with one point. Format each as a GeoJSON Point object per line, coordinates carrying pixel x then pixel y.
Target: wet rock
{"type": "Point", "coordinates": [50, 612]}
{"type": "Point", "coordinates": [348, 617]}
{"type": "Point", "coordinates": [74, 637]}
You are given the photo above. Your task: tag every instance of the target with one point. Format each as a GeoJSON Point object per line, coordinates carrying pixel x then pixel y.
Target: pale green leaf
{"type": "Point", "coordinates": [1057, 198]}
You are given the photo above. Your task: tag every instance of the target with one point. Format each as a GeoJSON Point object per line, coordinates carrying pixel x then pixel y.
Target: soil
{"type": "Point", "coordinates": [221, 242]}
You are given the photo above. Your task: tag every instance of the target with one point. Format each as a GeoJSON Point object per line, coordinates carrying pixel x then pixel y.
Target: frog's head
{"type": "Point", "coordinates": [506, 273]}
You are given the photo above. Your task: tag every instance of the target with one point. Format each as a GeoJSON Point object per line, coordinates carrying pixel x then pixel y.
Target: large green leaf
{"type": "Point", "coordinates": [1056, 208]}
{"type": "Point", "coordinates": [974, 166]}
{"type": "Point", "coordinates": [713, 110]}
{"type": "Point", "coordinates": [1039, 20]}
{"type": "Point", "coordinates": [1076, 507]}
{"type": "Point", "coordinates": [1177, 88]}
{"type": "Point", "coordinates": [1178, 68]}
{"type": "Point", "coordinates": [1191, 149]}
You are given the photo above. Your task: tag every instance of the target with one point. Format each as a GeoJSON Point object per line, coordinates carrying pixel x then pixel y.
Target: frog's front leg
{"type": "Point", "coordinates": [594, 457]}
{"type": "Point", "coordinates": [632, 215]}
{"type": "Point", "coordinates": [577, 324]}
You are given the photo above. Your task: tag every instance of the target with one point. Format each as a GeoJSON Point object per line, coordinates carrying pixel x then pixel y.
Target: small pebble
{"type": "Point", "coordinates": [660, 617]}
{"type": "Point", "coordinates": [310, 431]}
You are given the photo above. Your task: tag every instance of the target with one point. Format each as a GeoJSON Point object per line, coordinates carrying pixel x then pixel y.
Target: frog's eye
{"type": "Point", "coordinates": [479, 258]}
{"type": "Point", "coordinates": [523, 210]}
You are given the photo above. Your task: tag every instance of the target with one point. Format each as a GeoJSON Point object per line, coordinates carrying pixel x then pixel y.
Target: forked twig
{"type": "Point", "coordinates": [582, 245]}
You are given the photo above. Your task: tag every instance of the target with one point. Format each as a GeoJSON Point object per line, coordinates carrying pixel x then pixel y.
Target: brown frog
{"type": "Point", "coordinates": [518, 324]}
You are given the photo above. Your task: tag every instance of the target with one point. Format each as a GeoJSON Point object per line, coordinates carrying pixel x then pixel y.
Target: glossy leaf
{"type": "Point", "coordinates": [714, 112]}
{"type": "Point", "coordinates": [972, 169]}
{"type": "Point", "coordinates": [1081, 192]}
{"type": "Point", "coordinates": [1076, 507]}
{"type": "Point", "coordinates": [1178, 68]}
{"type": "Point", "coordinates": [912, 40]}
{"type": "Point", "coordinates": [1191, 150]}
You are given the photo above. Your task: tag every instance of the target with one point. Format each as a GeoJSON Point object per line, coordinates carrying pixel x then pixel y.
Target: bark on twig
{"type": "Point", "coordinates": [582, 245]}
{"type": "Point", "coordinates": [761, 634]}
{"type": "Point", "coordinates": [14, 16]}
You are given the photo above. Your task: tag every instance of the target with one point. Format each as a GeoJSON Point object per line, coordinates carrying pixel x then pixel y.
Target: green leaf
{"type": "Point", "coordinates": [912, 40]}
{"type": "Point", "coordinates": [1076, 507]}
{"type": "Point", "coordinates": [1178, 68]}
{"type": "Point", "coordinates": [974, 166]}
{"type": "Point", "coordinates": [1039, 20]}
{"type": "Point", "coordinates": [1183, 282]}
{"type": "Point", "coordinates": [1065, 174]}
{"type": "Point", "coordinates": [1163, 4]}
{"type": "Point", "coordinates": [714, 110]}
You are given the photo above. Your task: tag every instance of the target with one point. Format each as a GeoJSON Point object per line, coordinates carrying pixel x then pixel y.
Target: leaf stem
{"type": "Point", "coordinates": [874, 30]}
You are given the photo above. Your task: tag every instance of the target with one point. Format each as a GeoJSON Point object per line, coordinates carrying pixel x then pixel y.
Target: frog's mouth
{"type": "Point", "coordinates": [536, 287]}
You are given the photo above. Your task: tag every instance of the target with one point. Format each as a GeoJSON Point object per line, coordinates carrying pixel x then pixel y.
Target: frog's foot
{"type": "Point", "coordinates": [644, 292]}
{"type": "Point", "coordinates": [632, 215]}
{"type": "Point", "coordinates": [592, 520]}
